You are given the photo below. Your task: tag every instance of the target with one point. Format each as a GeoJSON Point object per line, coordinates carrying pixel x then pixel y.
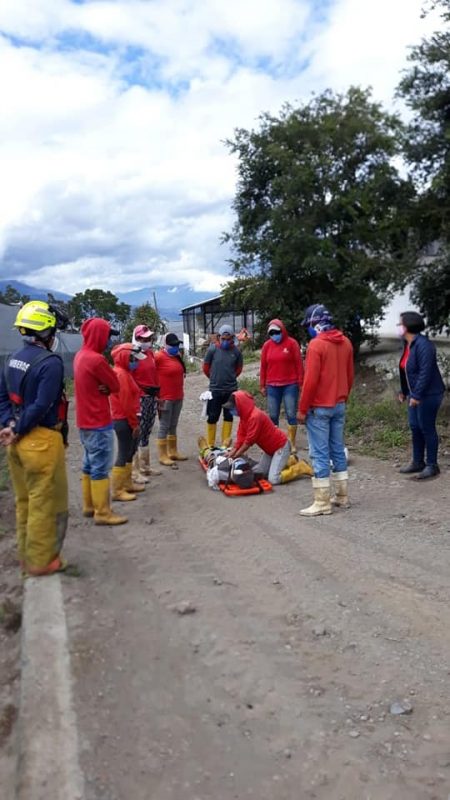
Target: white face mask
{"type": "Point", "coordinates": [401, 330]}
{"type": "Point", "coordinates": [145, 345]}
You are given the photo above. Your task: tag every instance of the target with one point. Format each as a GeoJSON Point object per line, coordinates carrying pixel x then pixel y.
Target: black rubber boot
{"type": "Point", "coordinates": [431, 471]}
{"type": "Point", "coordinates": [412, 467]}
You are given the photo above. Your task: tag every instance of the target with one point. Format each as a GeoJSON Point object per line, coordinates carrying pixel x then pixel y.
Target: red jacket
{"type": "Point", "coordinates": [125, 404]}
{"type": "Point", "coordinates": [281, 364]}
{"type": "Point", "coordinates": [146, 374]}
{"type": "Point", "coordinates": [328, 371]}
{"type": "Point", "coordinates": [255, 427]}
{"type": "Point", "coordinates": [91, 370]}
{"type": "Point", "coordinates": [170, 376]}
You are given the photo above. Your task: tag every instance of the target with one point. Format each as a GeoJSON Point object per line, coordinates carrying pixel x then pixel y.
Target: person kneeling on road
{"type": "Point", "coordinates": [256, 427]}
{"type": "Point", "coordinates": [33, 416]}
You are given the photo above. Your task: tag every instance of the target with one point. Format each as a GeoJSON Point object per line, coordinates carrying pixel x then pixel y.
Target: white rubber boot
{"type": "Point", "coordinates": [322, 501]}
{"type": "Point", "coordinates": [340, 485]}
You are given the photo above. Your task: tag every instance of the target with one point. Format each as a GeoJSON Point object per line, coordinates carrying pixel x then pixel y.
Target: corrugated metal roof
{"type": "Point", "coordinates": [202, 303]}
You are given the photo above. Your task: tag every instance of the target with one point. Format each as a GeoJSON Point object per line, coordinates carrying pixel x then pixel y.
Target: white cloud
{"type": "Point", "coordinates": [114, 170]}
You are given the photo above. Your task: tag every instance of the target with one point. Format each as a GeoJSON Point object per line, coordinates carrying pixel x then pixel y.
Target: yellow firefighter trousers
{"type": "Point", "coordinates": [38, 473]}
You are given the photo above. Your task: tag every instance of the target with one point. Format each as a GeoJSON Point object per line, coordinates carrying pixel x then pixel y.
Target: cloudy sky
{"type": "Point", "coordinates": [113, 116]}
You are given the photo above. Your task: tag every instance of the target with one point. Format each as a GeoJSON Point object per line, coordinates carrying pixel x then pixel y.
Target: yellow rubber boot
{"type": "Point", "coordinates": [227, 427]}
{"type": "Point", "coordinates": [145, 463]}
{"type": "Point", "coordinates": [340, 485]}
{"type": "Point", "coordinates": [128, 483]}
{"type": "Point", "coordinates": [163, 455]}
{"type": "Point", "coordinates": [322, 500]}
{"type": "Point", "coordinates": [88, 506]}
{"type": "Point", "coordinates": [298, 470]}
{"type": "Point", "coordinates": [103, 514]}
{"type": "Point", "coordinates": [119, 492]}
{"type": "Point", "coordinates": [211, 434]}
{"type": "Point", "coordinates": [292, 435]}
{"type": "Point", "coordinates": [172, 450]}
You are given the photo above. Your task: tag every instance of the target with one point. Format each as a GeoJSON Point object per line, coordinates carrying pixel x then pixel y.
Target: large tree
{"type": "Point", "coordinates": [143, 315]}
{"type": "Point", "coordinates": [98, 303]}
{"type": "Point", "coordinates": [321, 211]}
{"type": "Point", "coordinates": [12, 296]}
{"type": "Point", "coordinates": [426, 90]}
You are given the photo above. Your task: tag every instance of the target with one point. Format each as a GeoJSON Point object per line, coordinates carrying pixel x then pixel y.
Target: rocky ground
{"type": "Point", "coordinates": [228, 648]}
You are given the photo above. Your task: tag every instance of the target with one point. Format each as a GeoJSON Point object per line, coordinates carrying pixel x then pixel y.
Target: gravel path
{"type": "Point", "coordinates": [303, 632]}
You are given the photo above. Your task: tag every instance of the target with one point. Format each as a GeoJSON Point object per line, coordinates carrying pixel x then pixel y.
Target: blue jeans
{"type": "Point", "coordinates": [98, 452]}
{"type": "Point", "coordinates": [286, 394]}
{"type": "Point", "coordinates": [422, 421]}
{"type": "Point", "coordinates": [325, 428]}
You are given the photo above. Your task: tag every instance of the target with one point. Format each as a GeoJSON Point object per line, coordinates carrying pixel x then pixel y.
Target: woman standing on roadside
{"type": "Point", "coordinates": [125, 409]}
{"type": "Point", "coordinates": [423, 389]}
{"type": "Point", "coordinates": [281, 376]}
{"type": "Point", "coordinates": [171, 372]}
{"type": "Point", "coordinates": [146, 378]}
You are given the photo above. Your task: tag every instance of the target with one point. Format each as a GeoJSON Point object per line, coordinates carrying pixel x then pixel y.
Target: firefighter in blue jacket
{"type": "Point", "coordinates": [33, 421]}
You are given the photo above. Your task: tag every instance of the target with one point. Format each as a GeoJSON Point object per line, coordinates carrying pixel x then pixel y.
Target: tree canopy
{"type": "Point", "coordinates": [143, 315]}
{"type": "Point", "coordinates": [12, 296]}
{"type": "Point", "coordinates": [321, 211]}
{"type": "Point", "coordinates": [98, 303]}
{"type": "Point", "coordinates": [426, 89]}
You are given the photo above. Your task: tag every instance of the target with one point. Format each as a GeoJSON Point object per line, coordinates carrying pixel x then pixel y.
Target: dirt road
{"type": "Point", "coordinates": [279, 686]}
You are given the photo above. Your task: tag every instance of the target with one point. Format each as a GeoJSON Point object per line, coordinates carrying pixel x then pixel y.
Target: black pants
{"type": "Point", "coordinates": [214, 406]}
{"type": "Point", "coordinates": [126, 444]}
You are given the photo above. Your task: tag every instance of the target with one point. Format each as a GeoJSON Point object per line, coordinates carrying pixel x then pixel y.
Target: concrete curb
{"type": "Point", "coordinates": [48, 765]}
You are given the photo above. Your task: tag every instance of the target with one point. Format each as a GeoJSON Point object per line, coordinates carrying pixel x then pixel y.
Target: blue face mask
{"type": "Point", "coordinates": [225, 344]}
{"type": "Point", "coordinates": [277, 337]}
{"type": "Point", "coordinates": [133, 365]}
{"type": "Point", "coordinates": [312, 331]}
{"type": "Point", "coordinates": [173, 350]}
{"type": "Point", "coordinates": [234, 412]}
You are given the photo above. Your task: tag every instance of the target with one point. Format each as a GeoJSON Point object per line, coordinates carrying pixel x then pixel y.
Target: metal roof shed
{"type": "Point", "coordinates": [202, 320]}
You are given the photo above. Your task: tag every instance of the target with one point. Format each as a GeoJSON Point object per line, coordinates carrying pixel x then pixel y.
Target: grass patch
{"type": "Point", "coordinates": [251, 385]}
{"type": "Point", "coordinates": [376, 428]}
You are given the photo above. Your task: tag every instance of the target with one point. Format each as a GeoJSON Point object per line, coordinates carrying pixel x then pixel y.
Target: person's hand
{"type": "Point", "coordinates": [301, 418]}
{"type": "Point", "coordinates": [263, 391]}
{"type": "Point", "coordinates": [413, 402]}
{"type": "Point", "coordinates": [7, 436]}
{"type": "Point", "coordinates": [104, 389]}
{"type": "Point", "coordinates": [401, 397]}
{"type": "Point", "coordinates": [136, 432]}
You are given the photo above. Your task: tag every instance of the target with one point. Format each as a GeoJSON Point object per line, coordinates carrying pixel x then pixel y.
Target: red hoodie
{"type": "Point", "coordinates": [328, 371]}
{"type": "Point", "coordinates": [281, 363]}
{"type": "Point", "coordinates": [255, 427]}
{"type": "Point", "coordinates": [125, 404]}
{"type": "Point", "coordinates": [170, 376]}
{"type": "Point", "coordinates": [91, 370]}
{"type": "Point", "coordinates": [146, 374]}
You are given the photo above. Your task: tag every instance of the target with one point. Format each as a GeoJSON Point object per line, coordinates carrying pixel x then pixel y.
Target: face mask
{"type": "Point", "coordinates": [312, 331]}
{"type": "Point", "coordinates": [173, 350]}
{"type": "Point", "coordinates": [145, 346]}
{"type": "Point", "coordinates": [276, 337]}
{"type": "Point", "coordinates": [234, 412]}
{"type": "Point", "coordinates": [133, 365]}
{"type": "Point", "coordinates": [401, 330]}
{"type": "Point", "coordinates": [225, 344]}
{"type": "Point", "coordinates": [55, 345]}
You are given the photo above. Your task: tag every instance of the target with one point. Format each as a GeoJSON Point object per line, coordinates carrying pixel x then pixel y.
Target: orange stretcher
{"type": "Point", "coordinates": [262, 486]}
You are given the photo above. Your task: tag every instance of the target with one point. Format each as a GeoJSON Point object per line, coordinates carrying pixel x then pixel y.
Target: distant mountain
{"type": "Point", "coordinates": [35, 294]}
{"type": "Point", "coordinates": [169, 299]}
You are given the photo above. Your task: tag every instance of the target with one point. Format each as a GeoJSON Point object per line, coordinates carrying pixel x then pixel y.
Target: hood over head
{"type": "Point", "coordinates": [122, 352]}
{"type": "Point", "coordinates": [244, 403]}
{"type": "Point", "coordinates": [96, 332]}
{"type": "Point", "coordinates": [277, 323]}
